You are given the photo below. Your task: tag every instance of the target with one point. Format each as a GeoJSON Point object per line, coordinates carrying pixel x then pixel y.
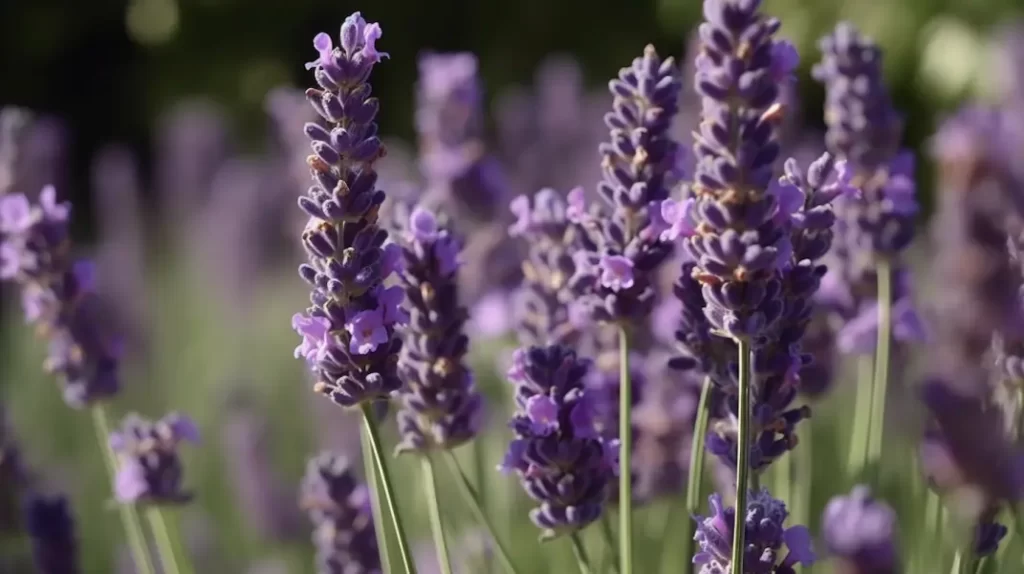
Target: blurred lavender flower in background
{"type": "Point", "coordinates": [52, 529]}
{"type": "Point", "coordinates": [877, 225]}
{"type": "Point", "coordinates": [339, 508]}
{"type": "Point", "coordinates": [348, 334]}
{"type": "Point", "coordinates": [765, 537]}
{"type": "Point", "coordinates": [149, 468]}
{"type": "Point", "coordinates": [967, 451]}
{"type": "Point", "coordinates": [265, 499]}
{"type": "Point", "coordinates": [58, 295]}
{"type": "Point", "coordinates": [441, 406]}
{"type": "Point", "coordinates": [14, 479]}
{"type": "Point", "coordinates": [557, 453]}
{"type": "Point", "coordinates": [860, 534]}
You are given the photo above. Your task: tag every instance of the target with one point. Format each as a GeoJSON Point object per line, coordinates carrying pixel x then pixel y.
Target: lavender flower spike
{"type": "Point", "coordinates": [737, 242]}
{"type": "Point", "coordinates": [860, 534]}
{"type": "Point", "coordinates": [149, 466]}
{"type": "Point", "coordinates": [614, 270]}
{"type": "Point", "coordinates": [348, 334]}
{"type": "Point", "coordinates": [765, 537]}
{"type": "Point", "coordinates": [442, 408]}
{"type": "Point", "coordinates": [58, 295]}
{"type": "Point", "coordinates": [557, 453]}
{"type": "Point", "coordinates": [49, 523]}
{"type": "Point", "coordinates": [339, 508]}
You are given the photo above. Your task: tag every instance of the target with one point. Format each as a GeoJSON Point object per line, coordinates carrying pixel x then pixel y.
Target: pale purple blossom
{"type": "Point", "coordinates": [616, 272]}
{"type": "Point", "coordinates": [368, 331]}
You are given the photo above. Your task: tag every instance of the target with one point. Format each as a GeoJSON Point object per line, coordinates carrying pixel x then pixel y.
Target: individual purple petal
{"type": "Point", "coordinates": [423, 225]}
{"type": "Point", "coordinates": [798, 541]}
{"type": "Point", "coordinates": [324, 46]}
{"type": "Point", "coordinates": [15, 213]}
{"type": "Point", "coordinates": [543, 413]}
{"type": "Point", "coordinates": [390, 300]}
{"type": "Point", "coordinates": [314, 332]}
{"type": "Point", "coordinates": [130, 482]}
{"type": "Point", "coordinates": [679, 216]}
{"type": "Point", "coordinates": [616, 272]}
{"type": "Point", "coordinates": [520, 208]}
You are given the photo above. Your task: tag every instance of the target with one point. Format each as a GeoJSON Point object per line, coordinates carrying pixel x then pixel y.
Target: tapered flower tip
{"type": "Point", "coordinates": [423, 225]}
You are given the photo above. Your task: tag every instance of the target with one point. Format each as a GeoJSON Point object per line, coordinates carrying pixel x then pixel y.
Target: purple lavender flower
{"type": "Point", "coordinates": [739, 244]}
{"type": "Point", "coordinates": [765, 538]}
{"type": "Point", "coordinates": [52, 529]}
{"type": "Point", "coordinates": [58, 294]}
{"type": "Point", "coordinates": [563, 463]}
{"type": "Point", "coordinates": [865, 130]}
{"type": "Point", "coordinates": [149, 467]}
{"type": "Point", "coordinates": [339, 507]}
{"type": "Point", "coordinates": [442, 408]}
{"type": "Point", "coordinates": [614, 271]}
{"type": "Point", "coordinates": [542, 301]}
{"type": "Point", "coordinates": [349, 331]}
{"type": "Point", "coordinates": [860, 534]}
{"type": "Point", "coordinates": [462, 178]}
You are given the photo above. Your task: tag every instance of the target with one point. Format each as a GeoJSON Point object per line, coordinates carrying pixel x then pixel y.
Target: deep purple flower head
{"type": "Point", "coordinates": [58, 295]}
{"type": "Point", "coordinates": [737, 243]}
{"type": "Point", "coordinates": [557, 453]}
{"type": "Point", "coordinates": [441, 406]}
{"type": "Point", "coordinates": [545, 222]}
{"type": "Point", "coordinates": [860, 534]}
{"type": "Point", "coordinates": [348, 334]}
{"type": "Point", "coordinates": [620, 250]}
{"type": "Point", "coordinates": [765, 538]}
{"type": "Point", "coordinates": [149, 468]}
{"type": "Point", "coordinates": [339, 507]}
{"type": "Point", "coordinates": [52, 529]}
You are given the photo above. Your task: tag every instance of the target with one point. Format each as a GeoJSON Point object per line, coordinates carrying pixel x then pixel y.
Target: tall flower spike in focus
{"type": "Point", "coordinates": [58, 295]}
{"type": "Point", "coordinates": [52, 529]}
{"type": "Point", "coordinates": [620, 251]}
{"type": "Point", "coordinates": [149, 468]}
{"type": "Point", "coordinates": [766, 536]}
{"type": "Point", "coordinates": [339, 507]}
{"type": "Point", "coordinates": [348, 334]}
{"type": "Point", "coordinates": [441, 406]}
{"type": "Point", "coordinates": [860, 534]}
{"type": "Point", "coordinates": [735, 238]}
{"type": "Point", "coordinates": [556, 451]}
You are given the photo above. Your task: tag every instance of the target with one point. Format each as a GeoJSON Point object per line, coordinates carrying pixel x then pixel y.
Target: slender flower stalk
{"type": "Point", "coordinates": [742, 451]}
{"type": "Point", "coordinates": [625, 456]}
{"type": "Point", "coordinates": [473, 499]}
{"type": "Point", "coordinates": [349, 334]}
{"type": "Point", "coordinates": [696, 474]}
{"type": "Point", "coordinates": [880, 380]}
{"type": "Point", "coordinates": [580, 552]}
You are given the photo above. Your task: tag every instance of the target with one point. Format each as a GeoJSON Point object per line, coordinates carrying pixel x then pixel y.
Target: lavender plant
{"type": "Point", "coordinates": [349, 334]}
{"type": "Point", "coordinates": [868, 289]}
{"type": "Point", "coordinates": [52, 529]}
{"type": "Point", "coordinates": [860, 533]}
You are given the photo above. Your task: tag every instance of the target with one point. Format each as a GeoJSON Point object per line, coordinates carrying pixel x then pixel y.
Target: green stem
{"type": "Point", "coordinates": [879, 389]}
{"type": "Point", "coordinates": [581, 554]}
{"type": "Point", "coordinates": [383, 544]}
{"type": "Point", "coordinates": [625, 457]}
{"type": "Point", "coordinates": [742, 454]}
{"type": "Point", "coordinates": [696, 473]}
{"type": "Point", "coordinates": [430, 489]}
{"type": "Point", "coordinates": [386, 486]}
{"type": "Point", "coordinates": [129, 514]}
{"type": "Point", "coordinates": [470, 495]}
{"type": "Point", "coordinates": [859, 435]}
{"type": "Point", "coordinates": [802, 458]}
{"type": "Point", "coordinates": [164, 544]}
{"type": "Point", "coordinates": [609, 540]}
{"type": "Point", "coordinates": [933, 514]}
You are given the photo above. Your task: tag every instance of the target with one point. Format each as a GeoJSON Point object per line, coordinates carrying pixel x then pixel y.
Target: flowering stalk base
{"type": "Point", "coordinates": [743, 452]}
{"type": "Point", "coordinates": [436, 527]}
{"type": "Point", "coordinates": [625, 458]}
{"type": "Point", "coordinates": [382, 478]}
{"type": "Point", "coordinates": [696, 474]}
{"type": "Point", "coordinates": [880, 382]}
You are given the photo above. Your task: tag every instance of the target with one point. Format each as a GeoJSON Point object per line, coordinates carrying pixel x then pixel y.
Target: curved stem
{"type": "Point", "coordinates": [129, 514]}
{"type": "Point", "coordinates": [386, 487]}
{"type": "Point", "coordinates": [696, 471]}
{"type": "Point", "coordinates": [164, 545]}
{"type": "Point", "coordinates": [859, 435]}
{"type": "Point", "coordinates": [742, 455]}
{"type": "Point", "coordinates": [625, 457]}
{"type": "Point", "coordinates": [383, 540]}
{"type": "Point", "coordinates": [470, 495]}
{"type": "Point", "coordinates": [430, 490]}
{"type": "Point", "coordinates": [881, 379]}
{"type": "Point", "coordinates": [581, 554]}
